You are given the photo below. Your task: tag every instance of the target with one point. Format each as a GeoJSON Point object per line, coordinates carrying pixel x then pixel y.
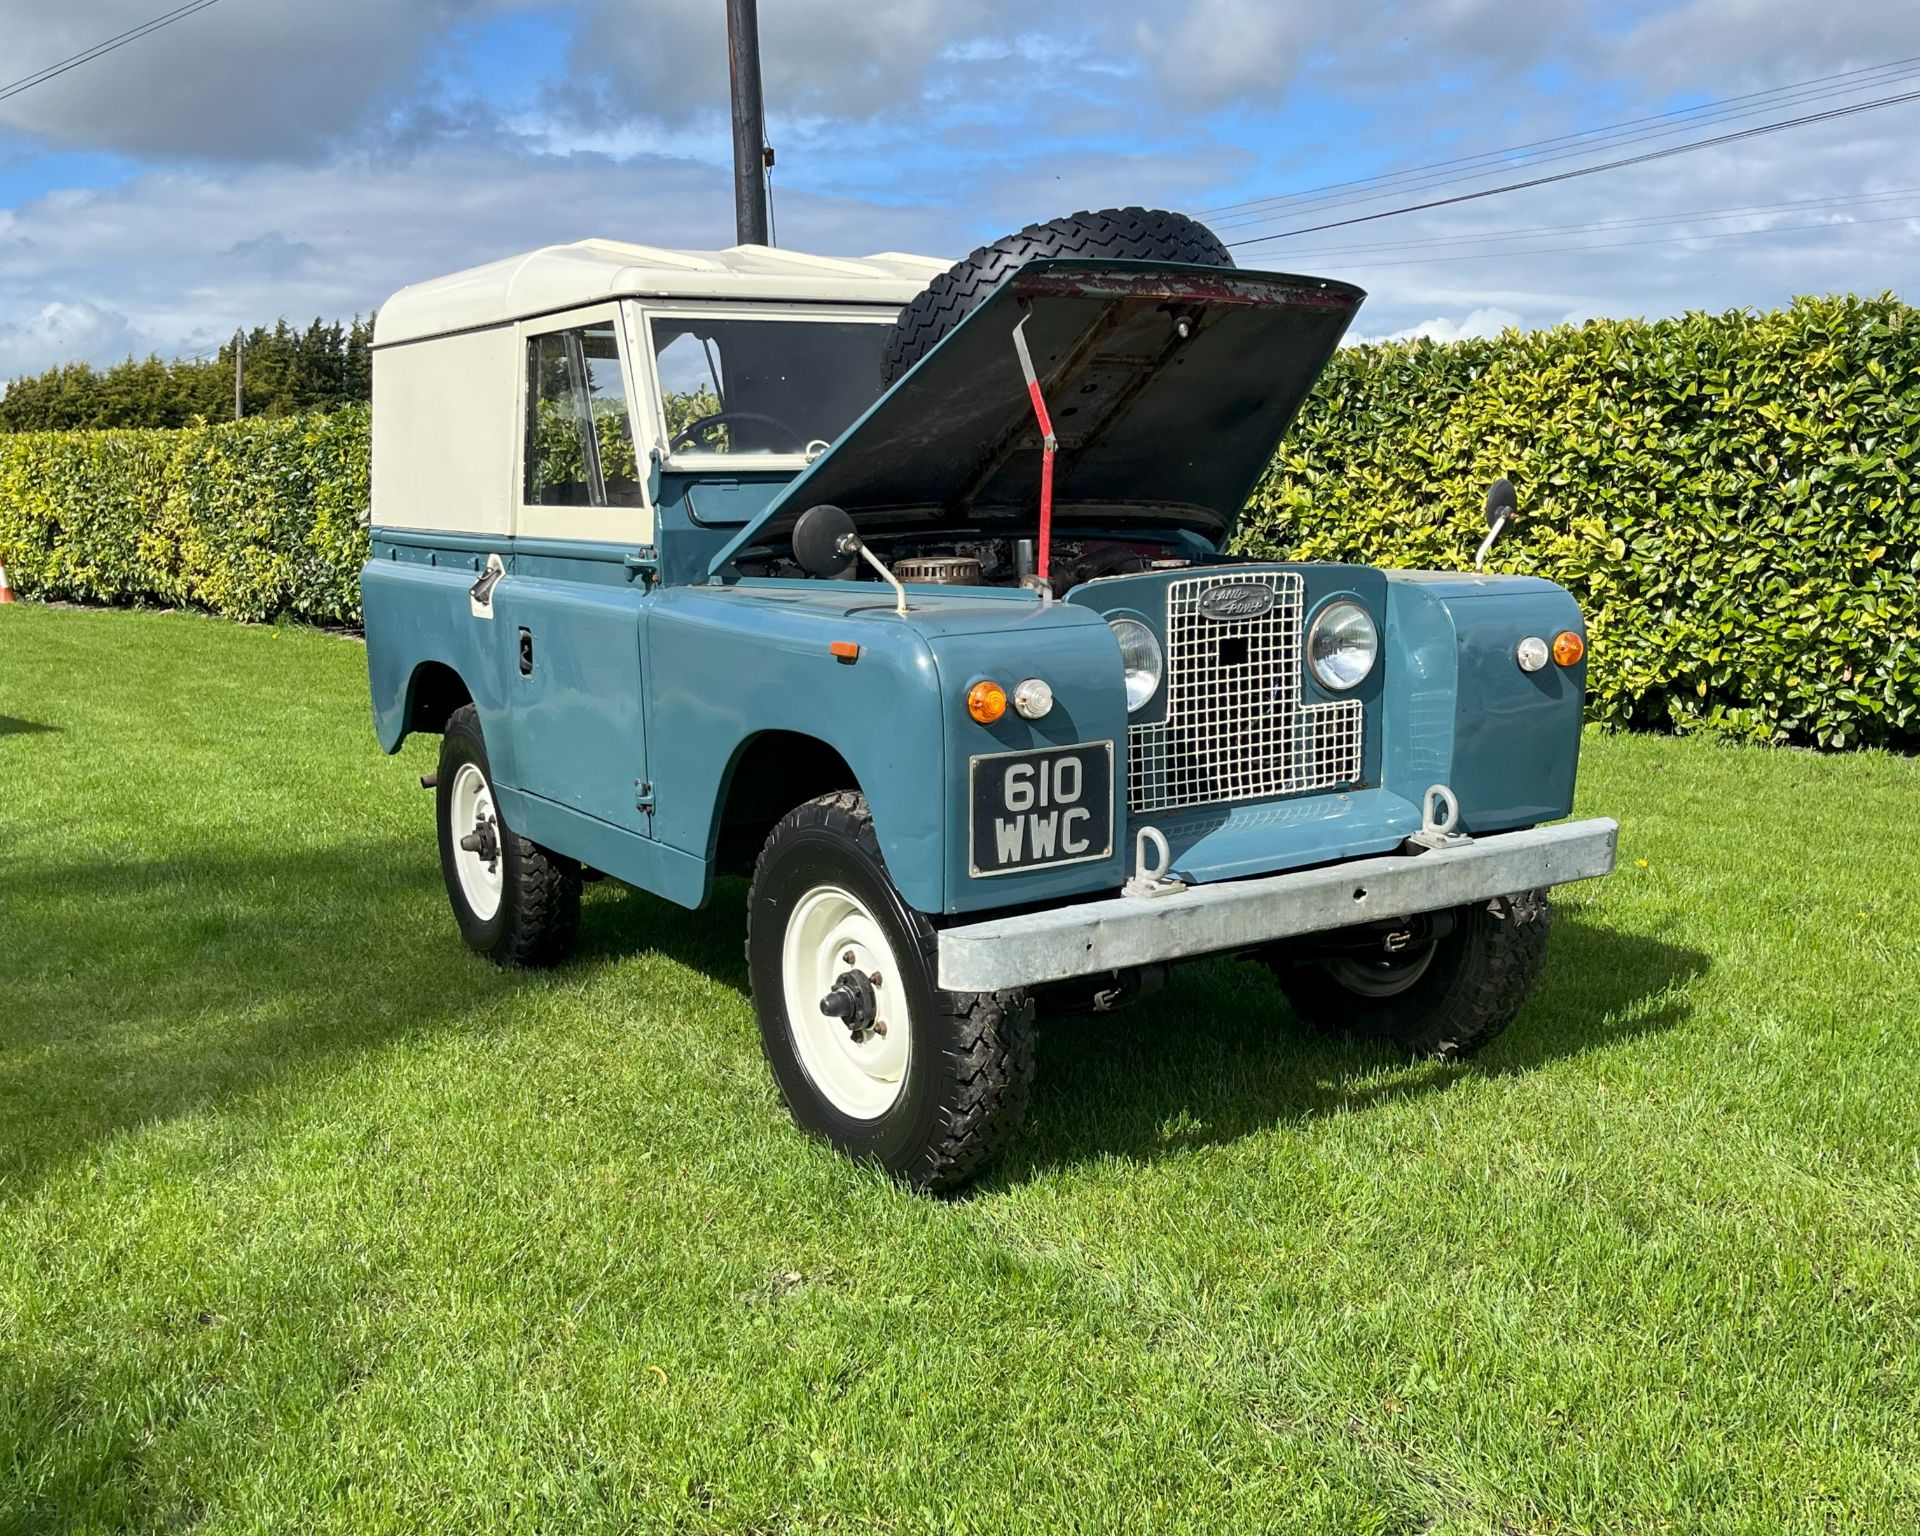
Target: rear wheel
{"type": "Point", "coordinates": [869, 1051]}
{"type": "Point", "coordinates": [516, 902]}
{"type": "Point", "coordinates": [1136, 234]}
{"type": "Point", "coordinates": [1443, 998]}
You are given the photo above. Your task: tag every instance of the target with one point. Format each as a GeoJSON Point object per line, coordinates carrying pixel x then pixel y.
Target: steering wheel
{"type": "Point", "coordinates": [691, 435]}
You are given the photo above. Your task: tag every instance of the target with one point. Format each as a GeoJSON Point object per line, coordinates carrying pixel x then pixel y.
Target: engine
{"type": "Point", "coordinates": [955, 559]}
{"type": "Point", "coordinates": [994, 562]}
{"type": "Point", "coordinates": [941, 570]}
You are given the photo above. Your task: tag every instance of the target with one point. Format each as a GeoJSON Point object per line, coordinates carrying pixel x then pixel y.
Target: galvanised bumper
{"type": "Point", "coordinates": [1117, 932]}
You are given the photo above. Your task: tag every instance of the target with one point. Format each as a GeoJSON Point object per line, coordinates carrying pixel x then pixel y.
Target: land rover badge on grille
{"type": "Point", "coordinates": [1242, 600]}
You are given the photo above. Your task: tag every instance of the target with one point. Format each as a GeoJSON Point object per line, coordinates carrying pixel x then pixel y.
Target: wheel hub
{"type": "Point", "coordinates": [850, 1000]}
{"type": "Point", "coordinates": [484, 840]}
{"type": "Point", "coordinates": [1387, 973]}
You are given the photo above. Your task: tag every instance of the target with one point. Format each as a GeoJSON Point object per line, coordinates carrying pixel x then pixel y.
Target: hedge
{"type": "Point", "coordinates": [251, 519]}
{"type": "Point", "coordinates": [1731, 498]}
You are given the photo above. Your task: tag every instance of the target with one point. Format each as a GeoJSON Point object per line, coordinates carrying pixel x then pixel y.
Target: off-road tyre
{"type": "Point", "coordinates": [1476, 982]}
{"type": "Point", "coordinates": [538, 918]}
{"type": "Point", "coordinates": [1137, 234]}
{"type": "Point", "coordinates": [969, 1069]}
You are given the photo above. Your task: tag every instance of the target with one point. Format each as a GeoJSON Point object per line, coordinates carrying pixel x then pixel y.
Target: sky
{"type": "Point", "coordinates": [270, 157]}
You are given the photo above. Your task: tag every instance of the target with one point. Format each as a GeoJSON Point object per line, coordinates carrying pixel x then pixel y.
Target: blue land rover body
{"type": "Point", "coordinates": [646, 595]}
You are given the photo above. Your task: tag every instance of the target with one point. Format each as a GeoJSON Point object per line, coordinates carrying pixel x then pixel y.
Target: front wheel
{"type": "Point", "coordinates": [1444, 998]}
{"type": "Point", "coordinates": [869, 1052]}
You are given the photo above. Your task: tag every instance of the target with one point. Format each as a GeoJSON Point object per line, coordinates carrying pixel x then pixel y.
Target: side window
{"type": "Point", "coordinates": [579, 425]}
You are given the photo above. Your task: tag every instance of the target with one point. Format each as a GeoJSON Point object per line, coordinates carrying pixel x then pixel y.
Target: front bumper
{"type": "Point", "coordinates": [1112, 934]}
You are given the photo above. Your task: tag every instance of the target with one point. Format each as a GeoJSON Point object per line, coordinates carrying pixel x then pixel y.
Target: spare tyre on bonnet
{"type": "Point", "coordinates": [1112, 234]}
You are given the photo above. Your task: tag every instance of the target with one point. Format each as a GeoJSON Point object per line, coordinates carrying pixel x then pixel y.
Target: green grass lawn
{"type": "Point", "coordinates": [311, 1221]}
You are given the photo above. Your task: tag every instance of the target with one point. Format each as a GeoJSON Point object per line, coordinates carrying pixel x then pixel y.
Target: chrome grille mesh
{"type": "Point", "coordinates": [1235, 728]}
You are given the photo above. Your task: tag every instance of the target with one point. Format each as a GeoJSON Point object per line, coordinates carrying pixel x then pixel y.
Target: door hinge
{"type": "Point", "coordinates": [643, 795]}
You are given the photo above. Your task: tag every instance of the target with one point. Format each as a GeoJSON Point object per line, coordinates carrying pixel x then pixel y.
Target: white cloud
{"type": "Point", "coordinates": [61, 332]}
{"type": "Point", "coordinates": [1219, 51]}
{"type": "Point", "coordinates": [668, 58]}
{"type": "Point", "coordinates": [1427, 265]}
{"type": "Point", "coordinates": [1490, 321]}
{"type": "Point", "coordinates": [1746, 41]}
{"type": "Point", "coordinates": [264, 79]}
{"type": "Point", "coordinates": [302, 159]}
{"type": "Point", "coordinates": [248, 245]}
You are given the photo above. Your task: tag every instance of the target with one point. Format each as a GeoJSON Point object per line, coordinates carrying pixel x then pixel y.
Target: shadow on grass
{"type": "Point", "coordinates": [1218, 1055]}
{"type": "Point", "coordinates": [13, 725]}
{"type": "Point", "coordinates": [145, 991]}
{"type": "Point", "coordinates": [711, 941]}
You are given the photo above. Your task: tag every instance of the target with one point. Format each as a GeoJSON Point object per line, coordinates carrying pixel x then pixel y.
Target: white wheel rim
{"type": "Point", "coordinates": [469, 808]}
{"type": "Point", "coordinates": [862, 1078]}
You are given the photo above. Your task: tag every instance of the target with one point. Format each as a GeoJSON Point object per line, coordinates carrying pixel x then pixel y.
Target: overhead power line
{"type": "Point", "coordinates": [1622, 245]}
{"type": "Point", "coordinates": [1862, 78]}
{"type": "Point", "coordinates": [88, 55]}
{"type": "Point", "coordinates": [1829, 115]}
{"type": "Point", "coordinates": [1319, 205]}
{"type": "Point", "coordinates": [1543, 231]}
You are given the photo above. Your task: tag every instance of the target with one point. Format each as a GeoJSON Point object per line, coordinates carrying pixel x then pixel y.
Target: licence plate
{"type": "Point", "coordinates": [1032, 810]}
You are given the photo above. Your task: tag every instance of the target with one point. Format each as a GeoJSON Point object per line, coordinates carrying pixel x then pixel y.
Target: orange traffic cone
{"type": "Point", "coordinates": [6, 587]}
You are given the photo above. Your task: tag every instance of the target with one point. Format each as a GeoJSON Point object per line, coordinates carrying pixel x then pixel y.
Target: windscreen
{"type": "Point", "coordinates": [764, 385]}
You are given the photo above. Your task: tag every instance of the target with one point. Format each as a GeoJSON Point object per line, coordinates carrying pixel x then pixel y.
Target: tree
{"type": "Point", "coordinates": [326, 366]}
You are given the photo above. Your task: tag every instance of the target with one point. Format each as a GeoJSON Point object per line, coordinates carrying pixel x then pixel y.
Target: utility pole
{"type": "Point", "coordinates": [239, 368]}
{"type": "Point", "coordinates": [750, 153]}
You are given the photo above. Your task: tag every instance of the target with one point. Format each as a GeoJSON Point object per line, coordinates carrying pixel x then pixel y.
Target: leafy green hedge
{"type": "Point", "coordinates": [251, 519]}
{"type": "Point", "coordinates": [1731, 498]}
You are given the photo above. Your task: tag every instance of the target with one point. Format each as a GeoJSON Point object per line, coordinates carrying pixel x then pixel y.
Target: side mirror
{"type": "Point", "coordinates": [1502, 507]}
{"type": "Point", "coordinates": [1502, 504]}
{"type": "Point", "coordinates": [824, 543]}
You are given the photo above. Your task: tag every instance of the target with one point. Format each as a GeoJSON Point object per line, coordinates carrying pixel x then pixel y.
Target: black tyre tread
{"type": "Point", "coordinates": [541, 899]}
{"type": "Point", "coordinates": [988, 1062]}
{"type": "Point", "coordinates": [1470, 1001]}
{"type": "Point", "coordinates": [1143, 234]}
{"type": "Point", "coordinates": [545, 898]}
{"type": "Point", "coordinates": [991, 1067]}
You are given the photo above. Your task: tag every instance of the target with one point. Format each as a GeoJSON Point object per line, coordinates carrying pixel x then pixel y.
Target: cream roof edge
{"type": "Point", "coordinates": [559, 277]}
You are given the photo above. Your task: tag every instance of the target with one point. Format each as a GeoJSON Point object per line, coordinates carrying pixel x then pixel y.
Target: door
{"type": "Point", "coordinates": [571, 613]}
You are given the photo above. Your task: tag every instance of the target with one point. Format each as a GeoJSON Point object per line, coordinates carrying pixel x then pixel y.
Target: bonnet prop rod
{"type": "Point", "coordinates": [1049, 444]}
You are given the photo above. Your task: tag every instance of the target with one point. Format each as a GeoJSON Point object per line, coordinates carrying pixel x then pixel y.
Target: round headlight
{"type": "Point", "coordinates": [1140, 660]}
{"type": "Point", "coordinates": [1342, 645]}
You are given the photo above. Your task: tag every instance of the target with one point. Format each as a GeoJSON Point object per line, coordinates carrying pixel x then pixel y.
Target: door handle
{"type": "Point", "coordinates": [480, 594]}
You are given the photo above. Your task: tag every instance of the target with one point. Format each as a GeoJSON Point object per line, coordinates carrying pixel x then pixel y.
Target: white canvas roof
{"type": "Point", "coordinates": [561, 277]}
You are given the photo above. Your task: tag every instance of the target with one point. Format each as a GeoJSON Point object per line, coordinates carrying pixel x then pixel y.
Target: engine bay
{"type": "Point", "coordinates": [950, 560]}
